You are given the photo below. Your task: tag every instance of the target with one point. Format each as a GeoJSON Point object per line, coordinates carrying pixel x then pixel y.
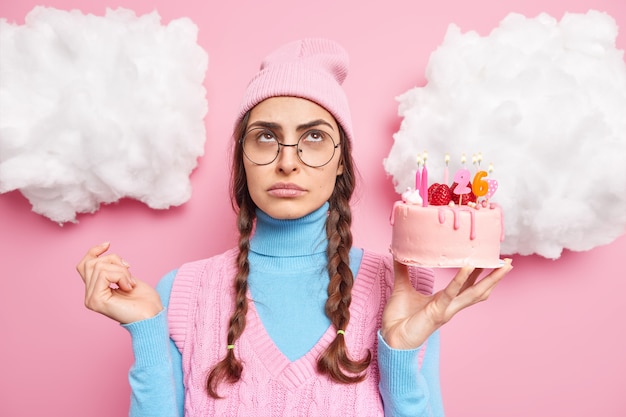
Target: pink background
{"type": "Point", "coordinates": [549, 342]}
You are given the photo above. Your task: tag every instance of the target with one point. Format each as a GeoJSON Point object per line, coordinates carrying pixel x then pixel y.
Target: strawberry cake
{"type": "Point", "coordinates": [448, 226]}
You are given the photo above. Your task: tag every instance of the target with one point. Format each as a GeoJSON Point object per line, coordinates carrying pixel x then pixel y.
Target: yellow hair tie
{"type": "Point", "coordinates": [341, 332]}
{"type": "Point", "coordinates": [230, 347]}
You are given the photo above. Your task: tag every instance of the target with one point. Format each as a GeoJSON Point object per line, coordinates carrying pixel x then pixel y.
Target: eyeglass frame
{"type": "Point", "coordinates": [243, 138]}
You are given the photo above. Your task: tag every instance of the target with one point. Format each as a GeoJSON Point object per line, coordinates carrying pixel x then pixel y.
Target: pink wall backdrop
{"type": "Point", "coordinates": [549, 342]}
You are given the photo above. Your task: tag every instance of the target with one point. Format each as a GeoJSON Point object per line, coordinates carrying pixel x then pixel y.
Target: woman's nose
{"type": "Point", "coordinates": [288, 159]}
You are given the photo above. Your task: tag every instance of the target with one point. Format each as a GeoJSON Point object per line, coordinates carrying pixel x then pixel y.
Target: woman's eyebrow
{"type": "Point", "coordinates": [314, 123]}
{"type": "Point", "coordinates": [278, 128]}
{"type": "Point", "coordinates": [267, 125]}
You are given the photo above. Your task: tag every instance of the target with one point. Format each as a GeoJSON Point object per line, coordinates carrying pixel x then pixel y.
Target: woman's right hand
{"type": "Point", "coordinates": [110, 289]}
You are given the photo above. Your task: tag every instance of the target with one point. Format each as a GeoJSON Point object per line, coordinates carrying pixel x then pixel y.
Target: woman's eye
{"type": "Point", "coordinates": [314, 136]}
{"type": "Point", "coordinates": [266, 137]}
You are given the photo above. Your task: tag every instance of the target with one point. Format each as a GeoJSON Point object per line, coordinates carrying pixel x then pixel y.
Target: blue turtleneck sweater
{"type": "Point", "coordinates": [288, 279]}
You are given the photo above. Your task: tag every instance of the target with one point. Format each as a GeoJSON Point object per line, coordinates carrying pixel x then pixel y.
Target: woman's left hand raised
{"type": "Point", "coordinates": [410, 317]}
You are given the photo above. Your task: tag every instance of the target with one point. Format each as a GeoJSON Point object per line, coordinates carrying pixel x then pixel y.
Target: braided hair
{"type": "Point", "coordinates": [335, 360]}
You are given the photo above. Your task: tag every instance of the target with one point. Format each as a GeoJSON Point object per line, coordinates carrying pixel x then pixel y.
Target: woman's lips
{"type": "Point", "coordinates": [285, 190]}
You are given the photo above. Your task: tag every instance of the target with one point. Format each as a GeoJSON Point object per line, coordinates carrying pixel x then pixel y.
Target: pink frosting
{"type": "Point", "coordinates": [447, 236]}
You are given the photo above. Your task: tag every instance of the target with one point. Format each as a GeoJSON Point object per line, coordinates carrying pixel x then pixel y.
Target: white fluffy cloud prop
{"type": "Point", "coordinates": [97, 108]}
{"type": "Point", "coordinates": [545, 101]}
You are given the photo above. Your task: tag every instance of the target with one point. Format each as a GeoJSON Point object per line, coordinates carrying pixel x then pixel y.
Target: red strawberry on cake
{"type": "Point", "coordinates": [439, 194]}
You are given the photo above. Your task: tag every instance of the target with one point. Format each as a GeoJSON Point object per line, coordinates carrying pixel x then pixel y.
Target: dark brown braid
{"type": "Point", "coordinates": [230, 367]}
{"type": "Point", "coordinates": [334, 361]}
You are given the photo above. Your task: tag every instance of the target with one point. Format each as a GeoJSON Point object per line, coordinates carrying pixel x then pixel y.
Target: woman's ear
{"type": "Point", "coordinates": [339, 169]}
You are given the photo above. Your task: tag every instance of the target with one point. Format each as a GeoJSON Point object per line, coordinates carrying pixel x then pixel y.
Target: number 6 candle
{"type": "Point", "coordinates": [480, 187]}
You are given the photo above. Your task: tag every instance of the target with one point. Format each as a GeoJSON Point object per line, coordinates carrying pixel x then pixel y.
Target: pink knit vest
{"type": "Point", "coordinates": [200, 306]}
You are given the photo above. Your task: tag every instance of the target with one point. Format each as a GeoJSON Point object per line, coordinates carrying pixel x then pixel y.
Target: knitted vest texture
{"type": "Point", "coordinates": [200, 306]}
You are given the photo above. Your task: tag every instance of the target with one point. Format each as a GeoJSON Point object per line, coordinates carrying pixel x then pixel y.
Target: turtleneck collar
{"type": "Point", "coordinates": [294, 237]}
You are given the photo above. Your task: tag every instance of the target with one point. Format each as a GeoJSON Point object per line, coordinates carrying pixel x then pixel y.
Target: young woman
{"type": "Point", "coordinates": [294, 321]}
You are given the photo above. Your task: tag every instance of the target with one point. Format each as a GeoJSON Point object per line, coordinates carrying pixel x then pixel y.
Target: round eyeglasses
{"type": "Point", "coordinates": [315, 148]}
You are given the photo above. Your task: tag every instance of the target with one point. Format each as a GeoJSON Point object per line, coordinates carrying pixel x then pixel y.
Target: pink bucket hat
{"type": "Point", "coordinates": [313, 69]}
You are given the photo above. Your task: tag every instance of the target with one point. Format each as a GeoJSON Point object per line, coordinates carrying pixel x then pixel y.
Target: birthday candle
{"type": "Point", "coordinates": [480, 187]}
{"type": "Point", "coordinates": [418, 182]}
{"type": "Point", "coordinates": [461, 177]}
{"type": "Point", "coordinates": [445, 169]}
{"type": "Point", "coordinates": [424, 186]}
